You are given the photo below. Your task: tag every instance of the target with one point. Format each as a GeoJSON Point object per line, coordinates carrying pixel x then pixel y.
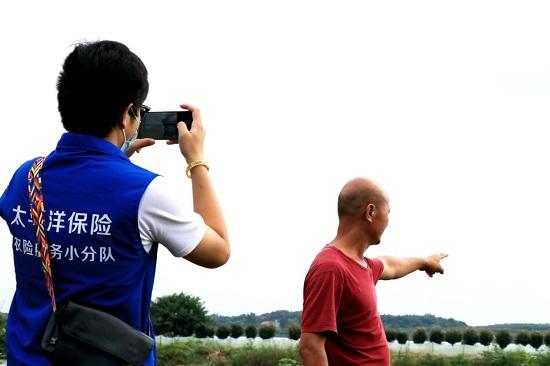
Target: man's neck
{"type": "Point", "coordinates": [352, 243]}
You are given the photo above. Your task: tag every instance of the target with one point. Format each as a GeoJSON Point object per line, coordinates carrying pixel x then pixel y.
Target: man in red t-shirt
{"type": "Point", "coordinates": [340, 321]}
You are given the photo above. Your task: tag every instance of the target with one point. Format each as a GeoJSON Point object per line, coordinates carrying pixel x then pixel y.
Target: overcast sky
{"type": "Point", "coordinates": [446, 104]}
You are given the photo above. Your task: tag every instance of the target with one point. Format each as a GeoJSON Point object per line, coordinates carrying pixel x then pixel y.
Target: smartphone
{"type": "Point", "coordinates": [162, 125]}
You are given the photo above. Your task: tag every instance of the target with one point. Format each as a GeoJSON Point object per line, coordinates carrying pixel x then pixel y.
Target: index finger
{"type": "Point", "coordinates": [189, 107]}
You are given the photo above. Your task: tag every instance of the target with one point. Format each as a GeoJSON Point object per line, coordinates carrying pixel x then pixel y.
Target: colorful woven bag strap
{"type": "Point", "coordinates": [38, 219]}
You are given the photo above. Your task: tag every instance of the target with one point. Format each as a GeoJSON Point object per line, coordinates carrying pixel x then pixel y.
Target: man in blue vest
{"type": "Point", "coordinates": [104, 215]}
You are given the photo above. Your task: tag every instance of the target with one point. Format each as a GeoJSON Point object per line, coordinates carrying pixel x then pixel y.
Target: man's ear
{"type": "Point", "coordinates": [126, 116]}
{"type": "Point", "coordinates": [370, 211]}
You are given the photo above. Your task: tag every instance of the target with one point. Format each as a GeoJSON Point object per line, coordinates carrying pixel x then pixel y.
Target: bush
{"type": "Point", "coordinates": [453, 336]}
{"type": "Point", "coordinates": [204, 330]}
{"type": "Point", "coordinates": [210, 331]}
{"type": "Point", "coordinates": [250, 331]}
{"type": "Point", "coordinates": [294, 331]}
{"type": "Point", "coordinates": [267, 331]}
{"type": "Point", "coordinates": [436, 335]}
{"type": "Point", "coordinates": [3, 320]}
{"type": "Point", "coordinates": [523, 338]}
{"type": "Point", "coordinates": [223, 332]}
{"type": "Point", "coordinates": [402, 337]}
{"type": "Point", "coordinates": [536, 340]}
{"type": "Point", "coordinates": [390, 334]}
{"type": "Point", "coordinates": [419, 336]}
{"type": "Point", "coordinates": [503, 338]}
{"type": "Point", "coordinates": [236, 330]}
{"type": "Point", "coordinates": [547, 339]}
{"type": "Point", "coordinates": [486, 337]}
{"type": "Point", "coordinates": [470, 336]}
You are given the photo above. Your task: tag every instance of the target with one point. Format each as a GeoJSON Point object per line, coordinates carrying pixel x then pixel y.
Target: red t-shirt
{"type": "Point", "coordinates": [340, 300]}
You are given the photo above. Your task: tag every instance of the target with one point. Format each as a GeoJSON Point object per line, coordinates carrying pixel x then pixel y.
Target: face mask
{"type": "Point", "coordinates": [127, 143]}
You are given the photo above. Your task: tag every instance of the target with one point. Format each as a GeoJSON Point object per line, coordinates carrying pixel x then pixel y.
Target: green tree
{"type": "Point", "coordinates": [223, 332]}
{"type": "Point", "coordinates": [391, 334]}
{"type": "Point", "coordinates": [523, 338]}
{"type": "Point", "coordinates": [250, 331]}
{"type": "Point", "coordinates": [453, 336]}
{"type": "Point", "coordinates": [436, 335]}
{"type": "Point", "coordinates": [470, 336]}
{"type": "Point", "coordinates": [210, 331]}
{"type": "Point", "coordinates": [267, 331]}
{"type": "Point", "coordinates": [536, 340]}
{"type": "Point", "coordinates": [236, 330]}
{"type": "Point", "coordinates": [402, 337]}
{"type": "Point", "coordinates": [486, 337]}
{"type": "Point", "coordinates": [503, 338]}
{"type": "Point", "coordinates": [200, 331]}
{"type": "Point", "coordinates": [547, 339]}
{"type": "Point", "coordinates": [419, 336]}
{"type": "Point", "coordinates": [294, 331]}
{"type": "Point", "coordinates": [178, 314]}
{"type": "Point", "coordinates": [204, 330]}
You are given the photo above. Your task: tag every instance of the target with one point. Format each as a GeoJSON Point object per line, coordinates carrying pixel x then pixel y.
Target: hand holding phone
{"type": "Point", "coordinates": [163, 125]}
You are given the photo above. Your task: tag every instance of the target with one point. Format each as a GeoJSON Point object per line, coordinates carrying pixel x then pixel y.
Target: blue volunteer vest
{"type": "Point", "coordinates": [92, 194]}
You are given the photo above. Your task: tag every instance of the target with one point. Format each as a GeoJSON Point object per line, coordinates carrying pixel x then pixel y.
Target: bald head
{"type": "Point", "coordinates": [357, 194]}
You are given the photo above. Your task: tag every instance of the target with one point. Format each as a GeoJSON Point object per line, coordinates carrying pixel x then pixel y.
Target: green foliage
{"type": "Point", "coordinates": [204, 330]}
{"type": "Point", "coordinates": [264, 356]}
{"type": "Point", "coordinates": [408, 359]}
{"type": "Point", "coordinates": [536, 340]}
{"type": "Point", "coordinates": [425, 321]}
{"type": "Point", "coordinates": [223, 332]}
{"type": "Point", "coordinates": [470, 336]}
{"type": "Point", "coordinates": [198, 353]}
{"type": "Point", "coordinates": [288, 362]}
{"type": "Point", "coordinates": [488, 358]}
{"type": "Point", "coordinates": [267, 331]}
{"type": "Point", "coordinates": [419, 336]}
{"type": "Point", "coordinates": [518, 327]}
{"type": "Point", "coordinates": [391, 334]}
{"type": "Point", "coordinates": [191, 353]}
{"type": "Point", "coordinates": [294, 331]}
{"type": "Point", "coordinates": [436, 335]}
{"type": "Point", "coordinates": [250, 331]}
{"type": "Point", "coordinates": [284, 317]}
{"type": "Point", "coordinates": [523, 338]}
{"type": "Point", "coordinates": [503, 338]}
{"type": "Point", "coordinates": [210, 331]}
{"type": "Point", "coordinates": [402, 337]}
{"type": "Point", "coordinates": [502, 358]}
{"type": "Point", "coordinates": [547, 339]}
{"type": "Point", "coordinates": [486, 337]}
{"type": "Point", "coordinates": [453, 336]}
{"type": "Point", "coordinates": [236, 330]}
{"type": "Point", "coordinates": [3, 320]}
{"type": "Point", "coordinates": [178, 314]}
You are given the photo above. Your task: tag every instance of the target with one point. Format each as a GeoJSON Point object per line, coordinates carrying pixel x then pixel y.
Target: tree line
{"type": "Point", "coordinates": [470, 336]}
{"type": "Point", "coordinates": [184, 315]}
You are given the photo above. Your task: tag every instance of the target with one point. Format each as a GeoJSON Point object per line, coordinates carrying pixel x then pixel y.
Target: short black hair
{"type": "Point", "coordinates": [97, 82]}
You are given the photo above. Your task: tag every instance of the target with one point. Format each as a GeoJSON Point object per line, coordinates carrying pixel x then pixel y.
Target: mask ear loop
{"type": "Point", "coordinates": [123, 136]}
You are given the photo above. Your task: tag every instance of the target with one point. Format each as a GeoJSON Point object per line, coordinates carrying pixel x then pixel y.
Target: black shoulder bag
{"type": "Point", "coordinates": [79, 335]}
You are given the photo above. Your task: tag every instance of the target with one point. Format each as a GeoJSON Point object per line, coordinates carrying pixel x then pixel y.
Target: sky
{"type": "Point", "coordinates": [445, 104]}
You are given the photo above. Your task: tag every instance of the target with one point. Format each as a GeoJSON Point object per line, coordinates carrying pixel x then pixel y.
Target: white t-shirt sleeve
{"type": "Point", "coordinates": [165, 219]}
